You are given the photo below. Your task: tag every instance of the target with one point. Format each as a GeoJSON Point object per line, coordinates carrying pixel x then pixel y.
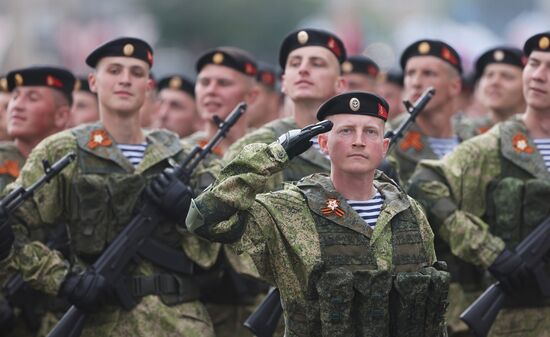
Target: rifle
{"type": "Point", "coordinates": [134, 239]}
{"type": "Point", "coordinates": [481, 314]}
{"type": "Point", "coordinates": [16, 290]}
{"type": "Point", "coordinates": [413, 110]}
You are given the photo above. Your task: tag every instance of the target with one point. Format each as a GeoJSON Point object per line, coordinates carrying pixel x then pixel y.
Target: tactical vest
{"type": "Point", "coordinates": [519, 199]}
{"type": "Point", "coordinates": [348, 295]}
{"type": "Point", "coordinates": [101, 202]}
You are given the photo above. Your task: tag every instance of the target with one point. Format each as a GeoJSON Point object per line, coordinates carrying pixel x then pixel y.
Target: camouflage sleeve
{"type": "Point", "coordinates": [215, 213]}
{"type": "Point", "coordinates": [263, 135]}
{"type": "Point", "coordinates": [425, 230]}
{"type": "Point", "coordinates": [42, 268]}
{"type": "Point", "coordinates": [453, 192]}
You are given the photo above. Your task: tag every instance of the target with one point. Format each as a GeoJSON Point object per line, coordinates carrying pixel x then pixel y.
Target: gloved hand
{"type": "Point", "coordinates": [296, 142]}
{"type": "Point", "coordinates": [514, 276]}
{"type": "Point", "coordinates": [171, 194]}
{"type": "Point", "coordinates": [6, 235]}
{"type": "Point", "coordinates": [87, 290]}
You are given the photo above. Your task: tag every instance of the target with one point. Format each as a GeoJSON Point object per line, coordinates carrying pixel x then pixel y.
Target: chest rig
{"type": "Point", "coordinates": [101, 200]}
{"type": "Point", "coordinates": [348, 294]}
{"type": "Point", "coordinates": [519, 199]}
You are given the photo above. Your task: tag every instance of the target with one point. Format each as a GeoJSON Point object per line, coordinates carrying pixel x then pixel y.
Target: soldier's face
{"type": "Point", "coordinates": [219, 89]}
{"type": "Point", "coordinates": [356, 143]}
{"type": "Point", "coordinates": [84, 109]}
{"type": "Point", "coordinates": [4, 100]}
{"type": "Point", "coordinates": [393, 94]}
{"type": "Point", "coordinates": [176, 112]}
{"type": "Point", "coordinates": [121, 84]}
{"type": "Point", "coordinates": [31, 113]}
{"type": "Point", "coordinates": [536, 81]}
{"type": "Point", "coordinates": [360, 82]}
{"type": "Point", "coordinates": [422, 72]}
{"type": "Point", "coordinates": [501, 87]}
{"type": "Point", "coordinates": [312, 74]}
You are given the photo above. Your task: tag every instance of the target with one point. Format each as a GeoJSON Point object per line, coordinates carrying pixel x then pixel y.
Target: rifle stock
{"type": "Point", "coordinates": [481, 314]}
{"type": "Point", "coordinates": [128, 243]}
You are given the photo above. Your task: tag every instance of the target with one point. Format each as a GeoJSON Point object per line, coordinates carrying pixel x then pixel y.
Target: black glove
{"type": "Point", "coordinates": [171, 194]}
{"type": "Point", "coordinates": [6, 235]}
{"type": "Point", "coordinates": [296, 142]}
{"type": "Point", "coordinates": [514, 276]}
{"type": "Point", "coordinates": [87, 290]}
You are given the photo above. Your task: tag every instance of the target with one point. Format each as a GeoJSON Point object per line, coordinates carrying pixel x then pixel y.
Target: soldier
{"type": "Point", "coordinates": [485, 197]}
{"type": "Point", "coordinates": [4, 99]}
{"type": "Point", "coordinates": [360, 73]}
{"type": "Point", "coordinates": [268, 103]}
{"type": "Point", "coordinates": [38, 107]}
{"type": "Point", "coordinates": [428, 63]}
{"type": "Point", "coordinates": [96, 197]}
{"type": "Point", "coordinates": [177, 110]}
{"type": "Point", "coordinates": [498, 71]}
{"type": "Point", "coordinates": [311, 61]}
{"type": "Point", "coordinates": [85, 108]}
{"type": "Point", "coordinates": [226, 76]}
{"type": "Point", "coordinates": [332, 244]}
{"type": "Point", "coordinates": [389, 85]}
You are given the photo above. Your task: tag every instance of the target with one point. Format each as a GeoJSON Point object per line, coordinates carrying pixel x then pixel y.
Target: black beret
{"type": "Point", "coordinates": [435, 48]}
{"type": "Point", "coordinates": [360, 64]}
{"type": "Point", "coordinates": [267, 75]}
{"type": "Point", "coordinates": [43, 76]}
{"type": "Point", "coordinates": [124, 46]}
{"type": "Point", "coordinates": [311, 37]}
{"type": "Point", "coordinates": [393, 75]}
{"type": "Point", "coordinates": [355, 103]}
{"type": "Point", "coordinates": [82, 84]}
{"type": "Point", "coordinates": [506, 55]}
{"type": "Point", "coordinates": [540, 42]}
{"type": "Point", "coordinates": [177, 82]}
{"type": "Point", "coordinates": [231, 57]}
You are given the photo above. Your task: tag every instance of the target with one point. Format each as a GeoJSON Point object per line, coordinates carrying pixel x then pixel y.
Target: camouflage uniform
{"type": "Point", "coordinates": [478, 207]}
{"type": "Point", "coordinates": [96, 197]}
{"type": "Point", "coordinates": [325, 266]}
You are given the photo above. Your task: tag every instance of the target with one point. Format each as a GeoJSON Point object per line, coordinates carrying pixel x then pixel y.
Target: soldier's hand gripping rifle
{"type": "Point", "coordinates": [481, 314]}
{"type": "Point", "coordinates": [395, 136]}
{"type": "Point", "coordinates": [134, 240]}
{"type": "Point", "coordinates": [15, 290]}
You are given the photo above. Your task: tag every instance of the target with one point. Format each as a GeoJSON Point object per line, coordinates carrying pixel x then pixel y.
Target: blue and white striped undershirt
{"type": "Point", "coordinates": [369, 210]}
{"type": "Point", "coordinates": [442, 146]}
{"type": "Point", "coordinates": [134, 152]}
{"type": "Point", "coordinates": [543, 146]}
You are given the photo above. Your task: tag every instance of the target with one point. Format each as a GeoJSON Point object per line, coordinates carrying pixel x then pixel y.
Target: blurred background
{"type": "Point", "coordinates": [63, 32]}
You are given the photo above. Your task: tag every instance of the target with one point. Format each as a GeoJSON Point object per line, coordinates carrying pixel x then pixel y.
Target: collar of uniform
{"type": "Point", "coordinates": [531, 162]}
{"type": "Point", "coordinates": [410, 152]}
{"type": "Point", "coordinates": [112, 153]}
{"type": "Point", "coordinates": [162, 144]}
{"type": "Point", "coordinates": [318, 189]}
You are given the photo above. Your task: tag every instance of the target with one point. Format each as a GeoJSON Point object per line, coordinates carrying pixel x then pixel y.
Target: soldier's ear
{"type": "Point", "coordinates": [252, 95]}
{"type": "Point", "coordinates": [323, 142]}
{"type": "Point", "coordinates": [61, 116]}
{"type": "Point", "coordinates": [341, 85]}
{"type": "Point", "coordinates": [91, 82]}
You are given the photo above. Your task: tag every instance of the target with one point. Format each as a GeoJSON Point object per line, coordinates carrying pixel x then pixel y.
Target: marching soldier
{"type": "Point", "coordinates": [485, 197]}
{"type": "Point", "coordinates": [336, 245]}
{"type": "Point", "coordinates": [5, 96]}
{"type": "Point", "coordinates": [85, 108]}
{"type": "Point", "coordinates": [268, 103]}
{"type": "Point", "coordinates": [360, 73]}
{"type": "Point", "coordinates": [96, 196]}
{"type": "Point", "coordinates": [389, 85]}
{"type": "Point", "coordinates": [177, 110]}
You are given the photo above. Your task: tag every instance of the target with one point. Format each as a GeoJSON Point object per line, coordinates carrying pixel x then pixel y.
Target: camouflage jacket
{"type": "Point", "coordinates": [95, 196]}
{"type": "Point", "coordinates": [278, 229]}
{"type": "Point", "coordinates": [11, 162]}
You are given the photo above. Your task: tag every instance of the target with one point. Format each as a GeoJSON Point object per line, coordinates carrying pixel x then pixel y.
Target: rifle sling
{"type": "Point", "coordinates": [166, 257]}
